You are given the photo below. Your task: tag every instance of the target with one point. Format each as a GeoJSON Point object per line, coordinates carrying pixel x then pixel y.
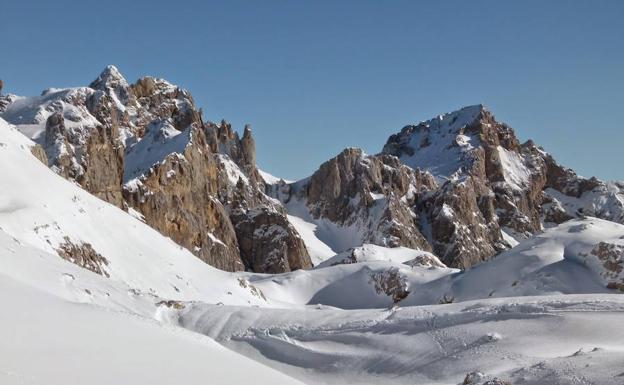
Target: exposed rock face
{"type": "Point", "coordinates": [178, 198]}
{"type": "Point", "coordinates": [39, 153]}
{"type": "Point", "coordinates": [268, 242]}
{"type": "Point", "coordinates": [160, 100]}
{"type": "Point", "coordinates": [607, 259]}
{"type": "Point", "coordinates": [426, 260]}
{"type": "Point", "coordinates": [469, 187]}
{"type": "Point", "coordinates": [103, 165]}
{"type": "Point", "coordinates": [490, 182]}
{"type": "Point", "coordinates": [391, 283]}
{"type": "Point", "coordinates": [460, 185]}
{"type": "Point", "coordinates": [143, 146]}
{"type": "Point", "coordinates": [372, 193]}
{"type": "Point", "coordinates": [84, 256]}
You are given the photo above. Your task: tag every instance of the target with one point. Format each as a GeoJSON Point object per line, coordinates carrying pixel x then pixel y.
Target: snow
{"type": "Point", "coordinates": [527, 340]}
{"type": "Point", "coordinates": [64, 324]}
{"type": "Point", "coordinates": [606, 202]}
{"type": "Point", "coordinates": [271, 179]}
{"type": "Point", "coordinates": [322, 237]}
{"type": "Point", "coordinates": [47, 340]}
{"type": "Point", "coordinates": [317, 249]}
{"type": "Point", "coordinates": [370, 253]}
{"type": "Point", "coordinates": [438, 144]}
{"type": "Point", "coordinates": [507, 237]}
{"type": "Point", "coordinates": [160, 141]}
{"type": "Point", "coordinates": [516, 174]}
{"type": "Point", "coordinates": [41, 208]}
{"type": "Point", "coordinates": [232, 170]}
{"type": "Point", "coordinates": [31, 113]}
{"type": "Point", "coordinates": [539, 313]}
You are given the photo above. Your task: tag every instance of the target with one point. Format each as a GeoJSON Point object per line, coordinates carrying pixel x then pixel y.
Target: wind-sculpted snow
{"type": "Point", "coordinates": [524, 340]}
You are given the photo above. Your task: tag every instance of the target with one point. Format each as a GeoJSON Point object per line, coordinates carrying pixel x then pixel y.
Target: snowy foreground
{"type": "Point", "coordinates": [539, 313]}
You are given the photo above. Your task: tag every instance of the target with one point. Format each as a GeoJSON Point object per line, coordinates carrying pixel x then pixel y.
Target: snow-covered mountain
{"type": "Point", "coordinates": [145, 148]}
{"type": "Point", "coordinates": [455, 256]}
{"type": "Point", "coordinates": [460, 185]}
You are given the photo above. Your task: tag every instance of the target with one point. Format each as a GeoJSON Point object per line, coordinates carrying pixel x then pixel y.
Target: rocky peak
{"type": "Point", "coordinates": [460, 184]}
{"type": "Point", "coordinates": [369, 194]}
{"type": "Point", "coordinates": [110, 77]}
{"type": "Point", "coordinates": [158, 100]}
{"type": "Point", "coordinates": [111, 80]}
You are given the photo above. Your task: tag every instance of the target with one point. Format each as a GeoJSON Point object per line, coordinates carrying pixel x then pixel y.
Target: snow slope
{"type": "Point", "coordinates": [47, 340]}
{"type": "Point", "coordinates": [323, 238]}
{"type": "Point", "coordinates": [63, 324]}
{"type": "Point", "coordinates": [43, 210]}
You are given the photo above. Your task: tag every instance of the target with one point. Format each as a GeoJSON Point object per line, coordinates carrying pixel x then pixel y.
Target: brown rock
{"type": "Point", "coordinates": [84, 256]}
{"type": "Point", "coordinates": [269, 243]}
{"type": "Point", "coordinates": [178, 198]}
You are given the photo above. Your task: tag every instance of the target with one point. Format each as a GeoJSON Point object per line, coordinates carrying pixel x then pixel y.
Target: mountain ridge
{"type": "Point", "coordinates": [460, 184]}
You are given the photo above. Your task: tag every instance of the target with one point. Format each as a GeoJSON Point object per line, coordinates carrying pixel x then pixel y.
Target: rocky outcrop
{"type": "Point", "coordinates": [489, 183]}
{"type": "Point", "coordinates": [268, 242]}
{"type": "Point", "coordinates": [461, 185]}
{"type": "Point", "coordinates": [391, 283]}
{"type": "Point", "coordinates": [177, 196]}
{"type": "Point", "coordinates": [372, 193]}
{"type": "Point", "coordinates": [83, 255]}
{"type": "Point", "coordinates": [160, 100]}
{"type": "Point", "coordinates": [103, 165]}
{"type": "Point", "coordinates": [39, 153]}
{"type": "Point", "coordinates": [607, 260]}
{"type": "Point", "coordinates": [93, 157]}
{"type": "Point", "coordinates": [144, 147]}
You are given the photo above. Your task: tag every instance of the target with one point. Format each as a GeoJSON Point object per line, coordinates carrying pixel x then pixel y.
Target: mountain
{"type": "Point", "coordinates": [460, 185]}
{"type": "Point", "coordinates": [144, 148]}
{"type": "Point", "coordinates": [455, 255]}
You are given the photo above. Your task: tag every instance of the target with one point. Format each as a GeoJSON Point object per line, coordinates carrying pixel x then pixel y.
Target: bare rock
{"type": "Point", "coordinates": [178, 197]}
{"type": "Point", "coordinates": [83, 255]}
{"type": "Point", "coordinates": [373, 192]}
{"type": "Point", "coordinates": [269, 243]}
{"type": "Point", "coordinates": [391, 283]}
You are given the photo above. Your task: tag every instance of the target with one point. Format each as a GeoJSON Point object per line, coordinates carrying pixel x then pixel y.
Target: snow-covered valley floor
{"type": "Point", "coordinates": [574, 339]}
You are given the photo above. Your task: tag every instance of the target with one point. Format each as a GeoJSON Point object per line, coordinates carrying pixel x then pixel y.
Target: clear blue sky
{"type": "Point", "coordinates": [313, 77]}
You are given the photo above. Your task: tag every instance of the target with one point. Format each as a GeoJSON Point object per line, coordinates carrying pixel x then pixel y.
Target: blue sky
{"type": "Point", "coordinates": [313, 77]}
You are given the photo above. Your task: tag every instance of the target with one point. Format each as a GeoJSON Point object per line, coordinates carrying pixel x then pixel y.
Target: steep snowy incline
{"type": "Point", "coordinates": [41, 209]}
{"type": "Point", "coordinates": [48, 340]}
